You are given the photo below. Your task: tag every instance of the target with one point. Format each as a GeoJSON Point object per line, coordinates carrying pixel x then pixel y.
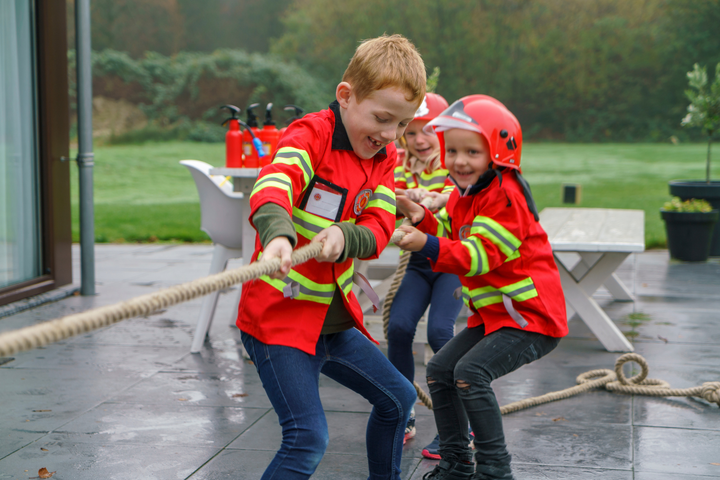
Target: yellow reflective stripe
{"type": "Point", "coordinates": [383, 198]}
{"type": "Point", "coordinates": [478, 256]}
{"type": "Point", "coordinates": [275, 180]}
{"type": "Point", "coordinates": [433, 180]}
{"type": "Point", "coordinates": [307, 224]}
{"type": "Point", "coordinates": [497, 234]}
{"type": "Point", "coordinates": [444, 226]}
{"type": "Point", "coordinates": [519, 291]}
{"type": "Point", "coordinates": [296, 157]}
{"type": "Point", "coordinates": [410, 180]}
{"type": "Point", "coordinates": [482, 297]}
{"type": "Point", "coordinates": [399, 172]}
{"type": "Point", "coordinates": [448, 189]}
{"type": "Point", "coordinates": [309, 290]}
{"type": "Point", "coordinates": [345, 280]}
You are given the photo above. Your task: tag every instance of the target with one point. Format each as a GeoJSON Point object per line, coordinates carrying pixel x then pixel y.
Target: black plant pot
{"type": "Point", "coordinates": [686, 189]}
{"type": "Point", "coordinates": [689, 233]}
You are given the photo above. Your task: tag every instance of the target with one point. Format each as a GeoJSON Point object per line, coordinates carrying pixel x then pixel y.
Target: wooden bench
{"type": "Point", "coordinates": [602, 238]}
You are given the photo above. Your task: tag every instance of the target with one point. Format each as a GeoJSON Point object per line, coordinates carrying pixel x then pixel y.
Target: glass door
{"type": "Point", "coordinates": [20, 222]}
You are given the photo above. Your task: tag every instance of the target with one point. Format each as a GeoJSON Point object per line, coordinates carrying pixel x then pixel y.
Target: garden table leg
{"type": "Point", "coordinates": [578, 295]}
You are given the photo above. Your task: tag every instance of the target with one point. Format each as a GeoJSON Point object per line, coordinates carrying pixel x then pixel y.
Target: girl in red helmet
{"type": "Point", "coordinates": [421, 175]}
{"type": "Point", "coordinates": [509, 281]}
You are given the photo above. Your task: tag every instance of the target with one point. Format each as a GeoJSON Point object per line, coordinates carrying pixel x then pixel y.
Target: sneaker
{"type": "Point", "coordinates": [452, 470]}
{"type": "Point", "coordinates": [432, 451]}
{"type": "Point", "coordinates": [410, 430]}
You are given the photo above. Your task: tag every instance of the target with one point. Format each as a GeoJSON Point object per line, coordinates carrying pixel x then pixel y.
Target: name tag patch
{"type": "Point", "coordinates": [324, 201]}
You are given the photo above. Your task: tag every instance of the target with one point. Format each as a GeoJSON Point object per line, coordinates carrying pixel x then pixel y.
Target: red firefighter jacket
{"type": "Point", "coordinates": [316, 176]}
{"type": "Point", "coordinates": [503, 258]}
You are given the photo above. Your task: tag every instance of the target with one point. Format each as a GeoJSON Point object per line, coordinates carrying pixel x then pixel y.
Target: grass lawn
{"type": "Point", "coordinates": [143, 194]}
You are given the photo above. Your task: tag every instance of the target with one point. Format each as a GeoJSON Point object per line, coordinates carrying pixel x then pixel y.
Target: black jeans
{"type": "Point", "coordinates": [459, 377]}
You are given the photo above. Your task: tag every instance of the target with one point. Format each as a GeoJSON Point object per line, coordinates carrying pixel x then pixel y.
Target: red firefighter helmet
{"type": "Point", "coordinates": [431, 106]}
{"type": "Point", "coordinates": [491, 119]}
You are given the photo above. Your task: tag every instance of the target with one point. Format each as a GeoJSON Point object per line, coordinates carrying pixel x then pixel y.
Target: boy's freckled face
{"type": "Point", "coordinates": [467, 156]}
{"type": "Point", "coordinates": [376, 121]}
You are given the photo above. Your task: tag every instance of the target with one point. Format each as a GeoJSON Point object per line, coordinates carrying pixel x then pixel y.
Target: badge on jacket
{"type": "Point", "coordinates": [361, 201]}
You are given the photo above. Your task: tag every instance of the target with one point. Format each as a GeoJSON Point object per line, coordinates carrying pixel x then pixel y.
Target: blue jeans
{"type": "Point", "coordinates": [290, 378]}
{"type": "Point", "coordinates": [420, 287]}
{"type": "Point", "coordinates": [459, 378]}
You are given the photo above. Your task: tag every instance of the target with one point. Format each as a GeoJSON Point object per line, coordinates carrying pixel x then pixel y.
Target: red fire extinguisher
{"type": "Point", "coordinates": [269, 135]}
{"type": "Point", "coordinates": [233, 139]}
{"type": "Point", "coordinates": [252, 155]}
{"type": "Point", "coordinates": [298, 114]}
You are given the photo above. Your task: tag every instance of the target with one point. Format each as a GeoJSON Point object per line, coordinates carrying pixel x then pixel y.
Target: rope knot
{"type": "Point", "coordinates": [711, 392]}
{"type": "Point", "coordinates": [631, 357]}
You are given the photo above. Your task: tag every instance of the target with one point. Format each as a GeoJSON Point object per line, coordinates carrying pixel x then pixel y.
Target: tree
{"type": "Point", "coordinates": [704, 108]}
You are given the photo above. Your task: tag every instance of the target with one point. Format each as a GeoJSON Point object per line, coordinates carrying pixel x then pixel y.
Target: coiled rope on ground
{"type": "Point", "coordinates": [55, 330]}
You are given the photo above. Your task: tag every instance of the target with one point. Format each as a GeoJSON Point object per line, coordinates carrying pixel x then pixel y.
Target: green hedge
{"type": "Point", "coordinates": [181, 95]}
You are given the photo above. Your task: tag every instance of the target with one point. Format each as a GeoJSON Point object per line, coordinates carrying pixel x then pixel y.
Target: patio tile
{"type": "Point", "coordinates": [250, 465]}
{"type": "Point", "coordinates": [77, 460]}
{"type": "Point", "coordinates": [130, 401]}
{"type": "Point", "coordinates": [171, 424]}
{"type": "Point", "coordinates": [677, 451]}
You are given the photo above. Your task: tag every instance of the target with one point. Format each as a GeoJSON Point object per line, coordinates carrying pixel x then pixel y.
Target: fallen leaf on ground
{"type": "Point", "coordinates": [663, 339]}
{"type": "Point", "coordinates": [44, 449]}
{"type": "Point", "coordinates": [182, 399]}
{"type": "Point", "coordinates": [43, 473]}
{"type": "Point", "coordinates": [236, 395]}
{"type": "Point", "coordinates": [575, 435]}
{"type": "Point", "coordinates": [559, 419]}
{"type": "Point", "coordinates": [717, 464]}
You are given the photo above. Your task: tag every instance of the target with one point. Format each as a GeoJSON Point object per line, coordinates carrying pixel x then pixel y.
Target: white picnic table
{"type": "Point", "coordinates": [602, 238]}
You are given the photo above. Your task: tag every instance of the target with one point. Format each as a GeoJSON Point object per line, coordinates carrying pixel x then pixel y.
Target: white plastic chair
{"type": "Point", "coordinates": [221, 218]}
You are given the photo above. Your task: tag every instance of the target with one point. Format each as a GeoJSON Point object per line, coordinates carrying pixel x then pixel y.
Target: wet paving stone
{"type": "Point", "coordinates": [130, 402]}
{"type": "Point", "coordinates": [73, 460]}
{"type": "Point", "coordinates": [171, 424]}
{"type": "Point", "coordinates": [677, 451]}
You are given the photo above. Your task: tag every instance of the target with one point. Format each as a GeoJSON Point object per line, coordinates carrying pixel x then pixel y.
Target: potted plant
{"type": "Point", "coordinates": [689, 227]}
{"type": "Point", "coordinates": [703, 112]}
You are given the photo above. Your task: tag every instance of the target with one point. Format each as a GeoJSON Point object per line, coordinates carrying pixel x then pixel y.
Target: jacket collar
{"type": "Point", "coordinates": [340, 139]}
{"type": "Point", "coordinates": [482, 183]}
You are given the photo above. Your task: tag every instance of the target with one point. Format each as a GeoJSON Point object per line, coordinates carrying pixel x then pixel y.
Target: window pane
{"type": "Point", "coordinates": [20, 257]}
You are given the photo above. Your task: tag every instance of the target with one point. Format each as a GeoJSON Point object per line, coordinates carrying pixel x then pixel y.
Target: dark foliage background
{"type": "Point", "coordinates": [572, 70]}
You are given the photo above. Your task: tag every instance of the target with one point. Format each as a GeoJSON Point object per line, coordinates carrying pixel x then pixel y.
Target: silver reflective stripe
{"type": "Point", "coordinates": [494, 232]}
{"type": "Point", "coordinates": [346, 283]}
{"type": "Point", "coordinates": [520, 290]}
{"type": "Point", "coordinates": [303, 162]}
{"type": "Point", "coordinates": [307, 225]}
{"type": "Point", "coordinates": [382, 196]}
{"type": "Point", "coordinates": [494, 293]}
{"type": "Point", "coordinates": [479, 257]}
{"type": "Point", "coordinates": [426, 182]}
{"type": "Point", "coordinates": [507, 301]}
{"type": "Point", "coordinates": [291, 285]}
{"type": "Point", "coordinates": [272, 179]}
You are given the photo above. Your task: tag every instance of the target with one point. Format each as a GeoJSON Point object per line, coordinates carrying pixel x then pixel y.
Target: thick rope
{"type": "Point", "coordinates": [55, 330]}
{"type": "Point", "coordinates": [616, 381]}
{"type": "Point", "coordinates": [390, 297]}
